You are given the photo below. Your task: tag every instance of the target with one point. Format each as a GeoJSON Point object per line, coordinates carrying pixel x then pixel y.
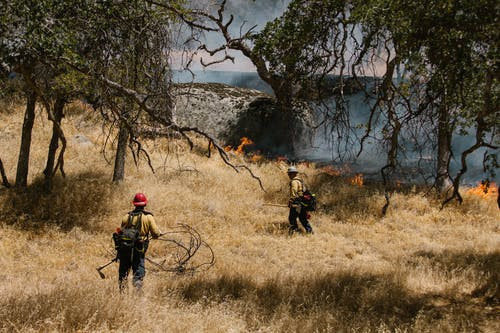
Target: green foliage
{"type": "Point", "coordinates": [441, 61]}
{"type": "Point", "coordinates": [94, 37]}
{"type": "Point", "coordinates": [301, 41]}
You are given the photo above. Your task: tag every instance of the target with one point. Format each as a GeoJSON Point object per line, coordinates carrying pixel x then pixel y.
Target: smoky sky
{"type": "Point", "coordinates": [256, 12]}
{"type": "Point", "coordinates": [247, 14]}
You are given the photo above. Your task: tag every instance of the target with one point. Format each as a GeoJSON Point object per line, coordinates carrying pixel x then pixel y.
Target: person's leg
{"type": "Point", "coordinates": [292, 218]}
{"type": "Point", "coordinates": [304, 221]}
{"type": "Point", "coordinates": [138, 269]}
{"type": "Point", "coordinates": [123, 269]}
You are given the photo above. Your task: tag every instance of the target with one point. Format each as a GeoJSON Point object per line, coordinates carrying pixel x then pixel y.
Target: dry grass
{"type": "Point", "coordinates": [419, 269]}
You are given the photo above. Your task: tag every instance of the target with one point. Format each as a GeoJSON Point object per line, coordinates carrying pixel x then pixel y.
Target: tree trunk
{"type": "Point", "coordinates": [286, 139]}
{"type": "Point", "coordinates": [24, 151]}
{"type": "Point", "coordinates": [54, 143]}
{"type": "Point", "coordinates": [444, 135]}
{"type": "Point", "coordinates": [121, 152]}
{"type": "Point", "coordinates": [5, 181]}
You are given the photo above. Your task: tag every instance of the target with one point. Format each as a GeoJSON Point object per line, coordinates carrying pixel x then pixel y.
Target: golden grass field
{"type": "Point", "coordinates": [418, 269]}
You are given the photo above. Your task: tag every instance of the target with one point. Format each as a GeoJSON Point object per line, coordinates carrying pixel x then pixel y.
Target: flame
{"type": "Point", "coordinates": [257, 158]}
{"type": "Point", "coordinates": [244, 141]}
{"type": "Point", "coordinates": [305, 164]}
{"type": "Point", "coordinates": [357, 180]}
{"type": "Point", "coordinates": [331, 170]}
{"type": "Point", "coordinates": [484, 190]}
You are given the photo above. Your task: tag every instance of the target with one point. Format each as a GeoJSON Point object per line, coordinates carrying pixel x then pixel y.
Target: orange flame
{"type": "Point", "coordinates": [257, 158]}
{"type": "Point", "coordinates": [331, 170]}
{"type": "Point", "coordinates": [305, 164]}
{"type": "Point", "coordinates": [244, 141]}
{"type": "Point", "coordinates": [484, 189]}
{"type": "Point", "coordinates": [357, 180]}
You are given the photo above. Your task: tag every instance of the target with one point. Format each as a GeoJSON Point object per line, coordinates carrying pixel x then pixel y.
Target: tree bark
{"type": "Point", "coordinates": [24, 151]}
{"type": "Point", "coordinates": [285, 139]}
{"type": "Point", "coordinates": [121, 152]}
{"type": "Point", "coordinates": [444, 136]}
{"type": "Point", "coordinates": [5, 181]}
{"type": "Point", "coordinates": [54, 142]}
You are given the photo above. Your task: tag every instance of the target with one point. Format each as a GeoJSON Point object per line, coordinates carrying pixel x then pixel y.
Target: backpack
{"type": "Point", "coordinates": [308, 199]}
{"type": "Point", "coordinates": [129, 238]}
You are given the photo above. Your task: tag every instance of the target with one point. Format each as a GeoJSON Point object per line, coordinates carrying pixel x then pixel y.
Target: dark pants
{"type": "Point", "coordinates": [131, 259]}
{"type": "Point", "coordinates": [292, 218]}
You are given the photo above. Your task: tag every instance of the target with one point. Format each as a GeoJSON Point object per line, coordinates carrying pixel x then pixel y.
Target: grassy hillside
{"type": "Point", "coordinates": [419, 269]}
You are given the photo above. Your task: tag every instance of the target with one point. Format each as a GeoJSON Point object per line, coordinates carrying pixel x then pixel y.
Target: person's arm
{"type": "Point", "coordinates": [294, 192]}
{"type": "Point", "coordinates": [153, 228]}
{"type": "Point", "coordinates": [124, 222]}
{"type": "Point", "coordinates": [295, 189]}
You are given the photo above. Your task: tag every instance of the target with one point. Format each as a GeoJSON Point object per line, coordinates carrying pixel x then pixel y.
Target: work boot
{"type": "Point", "coordinates": [123, 285]}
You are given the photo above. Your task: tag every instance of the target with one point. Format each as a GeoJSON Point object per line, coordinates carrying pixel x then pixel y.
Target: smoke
{"type": "Point", "coordinates": [256, 12]}
{"type": "Point", "coordinates": [320, 145]}
{"type": "Point", "coordinates": [249, 80]}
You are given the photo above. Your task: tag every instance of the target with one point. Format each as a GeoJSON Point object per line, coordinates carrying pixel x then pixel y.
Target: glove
{"type": "Point", "coordinates": [116, 240]}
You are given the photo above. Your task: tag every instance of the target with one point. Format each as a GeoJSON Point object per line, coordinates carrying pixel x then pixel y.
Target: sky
{"type": "Point", "coordinates": [249, 12]}
{"type": "Point", "coordinates": [259, 12]}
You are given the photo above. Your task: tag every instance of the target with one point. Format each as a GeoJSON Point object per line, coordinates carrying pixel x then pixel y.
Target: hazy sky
{"type": "Point", "coordinates": [249, 12]}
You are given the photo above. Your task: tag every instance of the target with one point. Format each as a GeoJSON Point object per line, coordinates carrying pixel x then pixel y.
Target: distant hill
{"type": "Point", "coordinates": [250, 80]}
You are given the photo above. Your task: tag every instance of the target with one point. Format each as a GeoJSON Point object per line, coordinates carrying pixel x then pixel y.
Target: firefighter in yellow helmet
{"type": "Point", "coordinates": [297, 189]}
{"type": "Point", "coordinates": [132, 240]}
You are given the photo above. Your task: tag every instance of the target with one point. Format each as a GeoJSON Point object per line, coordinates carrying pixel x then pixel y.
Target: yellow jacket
{"type": "Point", "coordinates": [296, 189]}
{"type": "Point", "coordinates": [148, 224]}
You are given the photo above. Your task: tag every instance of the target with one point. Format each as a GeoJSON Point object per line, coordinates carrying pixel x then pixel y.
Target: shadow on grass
{"type": "Point", "coordinates": [277, 228]}
{"type": "Point", "coordinates": [62, 308]}
{"type": "Point", "coordinates": [486, 265]}
{"type": "Point", "coordinates": [338, 197]}
{"type": "Point", "coordinates": [75, 201]}
{"type": "Point", "coordinates": [343, 295]}
{"type": "Point", "coordinates": [344, 300]}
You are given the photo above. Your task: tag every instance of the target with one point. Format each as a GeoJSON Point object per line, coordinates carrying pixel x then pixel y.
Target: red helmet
{"type": "Point", "coordinates": [140, 199]}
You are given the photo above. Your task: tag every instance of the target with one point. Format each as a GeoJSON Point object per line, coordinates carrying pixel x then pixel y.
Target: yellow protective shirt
{"type": "Point", "coordinates": [148, 225]}
{"type": "Point", "coordinates": [296, 189]}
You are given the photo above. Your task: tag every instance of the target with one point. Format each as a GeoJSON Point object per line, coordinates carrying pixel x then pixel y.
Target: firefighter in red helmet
{"type": "Point", "coordinates": [132, 239]}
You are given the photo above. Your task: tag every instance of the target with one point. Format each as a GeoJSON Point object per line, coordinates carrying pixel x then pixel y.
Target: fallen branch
{"type": "Point", "coordinates": [185, 251]}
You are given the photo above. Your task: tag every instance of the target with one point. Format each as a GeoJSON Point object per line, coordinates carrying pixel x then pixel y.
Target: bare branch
{"type": "Point", "coordinates": [227, 57]}
{"type": "Point", "coordinates": [184, 16]}
{"type": "Point", "coordinates": [487, 110]}
{"type": "Point", "coordinates": [253, 176]}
